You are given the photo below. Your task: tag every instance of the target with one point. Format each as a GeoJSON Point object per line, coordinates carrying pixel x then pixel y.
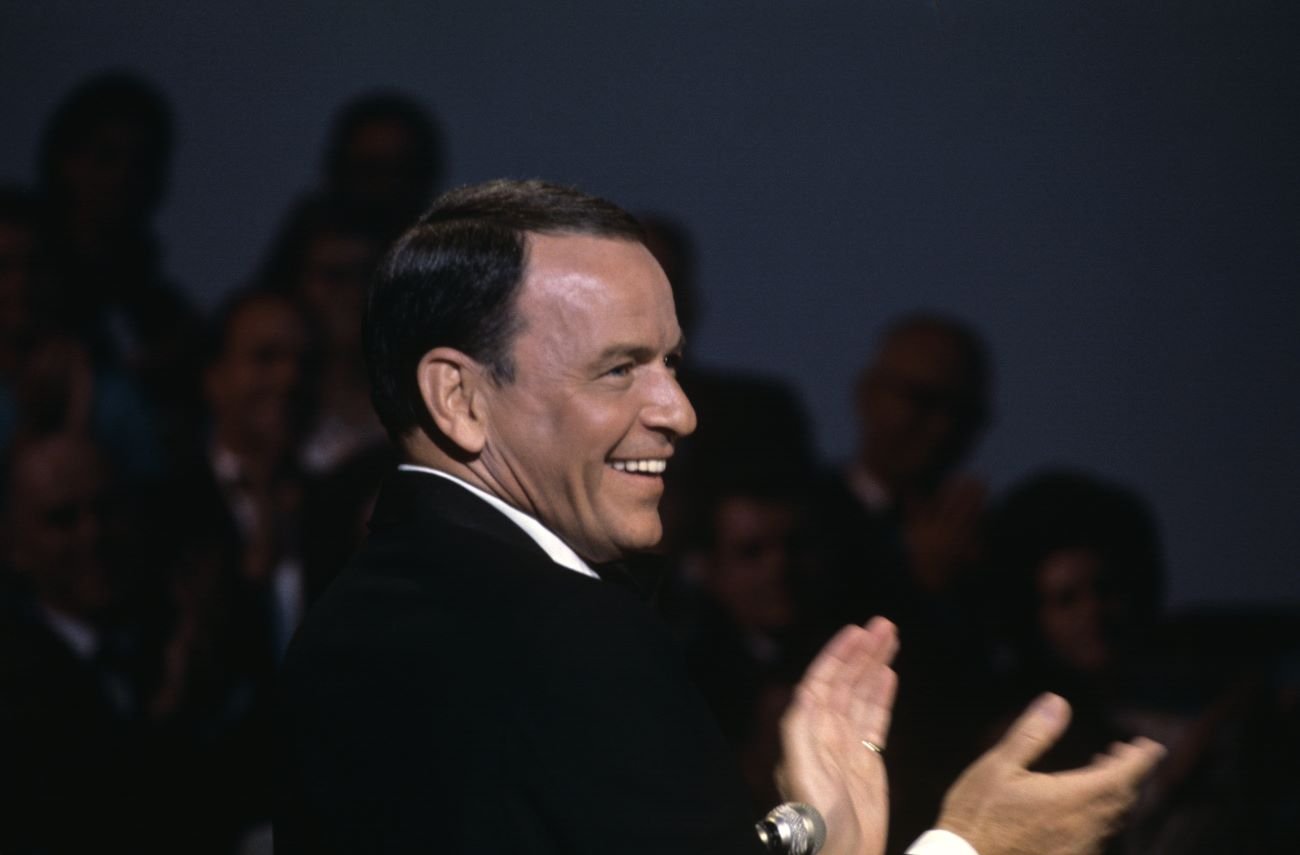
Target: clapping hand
{"type": "Point", "coordinates": [842, 708]}
{"type": "Point", "coordinates": [1001, 808]}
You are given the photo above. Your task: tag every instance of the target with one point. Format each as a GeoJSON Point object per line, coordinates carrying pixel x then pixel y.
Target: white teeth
{"type": "Point", "coordinates": [646, 467]}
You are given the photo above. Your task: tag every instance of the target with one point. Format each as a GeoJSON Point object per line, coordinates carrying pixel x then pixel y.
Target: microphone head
{"type": "Point", "coordinates": [793, 828]}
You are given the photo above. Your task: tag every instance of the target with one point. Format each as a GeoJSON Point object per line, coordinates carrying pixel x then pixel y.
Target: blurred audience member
{"type": "Point", "coordinates": [327, 272]}
{"type": "Point", "coordinates": [383, 162]}
{"type": "Point", "coordinates": [1082, 562]}
{"type": "Point", "coordinates": [1082, 577]}
{"type": "Point", "coordinates": [902, 533]}
{"type": "Point", "coordinates": [80, 771]}
{"type": "Point", "coordinates": [259, 386]}
{"type": "Point", "coordinates": [748, 641]}
{"type": "Point", "coordinates": [230, 526]}
{"type": "Point", "coordinates": [48, 379]}
{"type": "Point", "coordinates": [908, 528]}
{"type": "Point", "coordinates": [59, 388]}
{"type": "Point", "coordinates": [104, 165]}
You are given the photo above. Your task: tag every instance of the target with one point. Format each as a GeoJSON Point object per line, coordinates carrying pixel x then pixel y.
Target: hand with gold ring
{"type": "Point", "coordinates": [838, 718]}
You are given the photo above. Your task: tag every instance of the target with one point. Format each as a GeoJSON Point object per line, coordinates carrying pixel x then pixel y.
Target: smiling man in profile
{"type": "Point", "coordinates": [483, 677]}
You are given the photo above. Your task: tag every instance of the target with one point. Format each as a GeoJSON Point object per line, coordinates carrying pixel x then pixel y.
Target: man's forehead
{"type": "Point", "coordinates": [582, 267]}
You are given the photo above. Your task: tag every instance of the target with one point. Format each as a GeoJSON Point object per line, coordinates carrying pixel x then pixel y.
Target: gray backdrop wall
{"type": "Point", "coordinates": [1108, 190]}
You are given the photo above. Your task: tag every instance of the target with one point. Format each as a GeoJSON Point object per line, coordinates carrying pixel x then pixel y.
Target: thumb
{"type": "Point", "coordinates": [1035, 731]}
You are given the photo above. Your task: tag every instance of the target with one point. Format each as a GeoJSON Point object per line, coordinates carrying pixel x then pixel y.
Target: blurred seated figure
{"type": "Point", "coordinates": [327, 272]}
{"type": "Point", "coordinates": [79, 690]}
{"type": "Point", "coordinates": [49, 381]}
{"type": "Point", "coordinates": [104, 165]}
{"type": "Point", "coordinates": [748, 641]}
{"type": "Point", "coordinates": [1082, 576]}
{"type": "Point", "coordinates": [902, 532]}
{"type": "Point", "coordinates": [905, 526]}
{"type": "Point", "coordinates": [245, 485]}
{"type": "Point", "coordinates": [230, 526]}
{"type": "Point", "coordinates": [59, 388]}
{"type": "Point", "coordinates": [382, 163]}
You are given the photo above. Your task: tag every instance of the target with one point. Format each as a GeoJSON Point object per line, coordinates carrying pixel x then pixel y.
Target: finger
{"type": "Point", "coordinates": [874, 657]}
{"type": "Point", "coordinates": [886, 636]}
{"type": "Point", "coordinates": [825, 670]}
{"type": "Point", "coordinates": [873, 705]}
{"type": "Point", "coordinates": [1035, 731]}
{"type": "Point", "coordinates": [862, 665]}
{"type": "Point", "coordinates": [1127, 763]}
{"type": "Point", "coordinates": [870, 698]}
{"type": "Point", "coordinates": [870, 652]}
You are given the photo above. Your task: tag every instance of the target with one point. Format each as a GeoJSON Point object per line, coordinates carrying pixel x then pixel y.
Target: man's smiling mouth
{"type": "Point", "coordinates": [646, 466]}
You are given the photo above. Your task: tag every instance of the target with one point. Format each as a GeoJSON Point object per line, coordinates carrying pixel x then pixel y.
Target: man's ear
{"type": "Point", "coordinates": [451, 384]}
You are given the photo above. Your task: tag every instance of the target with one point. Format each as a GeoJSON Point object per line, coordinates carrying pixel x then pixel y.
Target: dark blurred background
{"type": "Point", "coordinates": [1107, 190]}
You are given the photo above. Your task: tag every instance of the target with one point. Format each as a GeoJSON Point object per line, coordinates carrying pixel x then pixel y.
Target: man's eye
{"type": "Point", "coordinates": [621, 370]}
{"type": "Point", "coordinates": [673, 361]}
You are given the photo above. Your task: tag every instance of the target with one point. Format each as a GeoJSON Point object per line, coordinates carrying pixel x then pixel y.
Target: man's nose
{"type": "Point", "coordinates": [670, 409]}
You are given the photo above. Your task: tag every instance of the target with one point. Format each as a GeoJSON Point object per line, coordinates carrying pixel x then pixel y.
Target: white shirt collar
{"type": "Point", "coordinates": [559, 551]}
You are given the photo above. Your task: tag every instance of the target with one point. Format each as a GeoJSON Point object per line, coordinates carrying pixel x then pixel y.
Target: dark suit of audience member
{"type": "Point", "coordinates": [231, 523]}
{"type": "Point", "coordinates": [80, 769]}
{"type": "Point", "coordinates": [748, 637]}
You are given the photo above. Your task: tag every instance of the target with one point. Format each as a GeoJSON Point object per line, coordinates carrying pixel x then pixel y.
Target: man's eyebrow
{"type": "Point", "coordinates": [637, 352]}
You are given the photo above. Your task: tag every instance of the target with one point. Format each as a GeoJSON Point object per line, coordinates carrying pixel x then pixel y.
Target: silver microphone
{"type": "Point", "coordinates": [793, 828]}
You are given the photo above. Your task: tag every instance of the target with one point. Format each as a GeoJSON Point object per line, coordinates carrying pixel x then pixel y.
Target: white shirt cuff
{"type": "Point", "coordinates": [940, 842]}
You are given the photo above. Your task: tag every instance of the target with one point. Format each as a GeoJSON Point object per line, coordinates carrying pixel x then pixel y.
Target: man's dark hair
{"type": "Point", "coordinates": [452, 281]}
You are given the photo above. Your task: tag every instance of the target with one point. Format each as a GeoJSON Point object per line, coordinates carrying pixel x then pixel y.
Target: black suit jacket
{"type": "Point", "coordinates": [457, 691]}
{"type": "Point", "coordinates": [75, 771]}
